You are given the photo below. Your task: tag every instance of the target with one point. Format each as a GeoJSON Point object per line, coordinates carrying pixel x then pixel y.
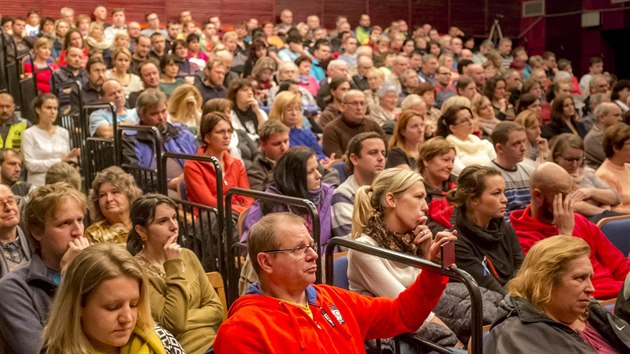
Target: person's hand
{"type": "Point", "coordinates": [581, 194]}
{"type": "Point", "coordinates": [423, 236]}
{"type": "Point", "coordinates": [542, 145]}
{"type": "Point", "coordinates": [441, 238]}
{"type": "Point", "coordinates": [73, 155]}
{"type": "Point", "coordinates": [190, 99]}
{"type": "Point", "coordinates": [74, 247]}
{"type": "Point", "coordinates": [328, 161]}
{"type": "Point", "coordinates": [172, 250]}
{"type": "Point", "coordinates": [253, 103]}
{"type": "Point", "coordinates": [563, 213]}
{"type": "Point", "coordinates": [503, 105]}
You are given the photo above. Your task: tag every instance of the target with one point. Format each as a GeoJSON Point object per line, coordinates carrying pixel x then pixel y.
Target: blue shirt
{"type": "Point", "coordinates": [104, 117]}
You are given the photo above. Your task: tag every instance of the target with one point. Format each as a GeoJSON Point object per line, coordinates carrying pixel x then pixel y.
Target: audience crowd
{"type": "Point", "coordinates": [401, 137]}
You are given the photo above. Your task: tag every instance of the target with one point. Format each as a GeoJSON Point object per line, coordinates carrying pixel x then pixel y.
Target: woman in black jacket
{"type": "Point", "coordinates": [487, 246]}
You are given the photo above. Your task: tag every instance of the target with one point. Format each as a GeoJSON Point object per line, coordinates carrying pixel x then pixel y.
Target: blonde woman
{"type": "Point", "coordinates": [41, 59]}
{"type": "Point", "coordinates": [82, 316]}
{"type": "Point", "coordinates": [184, 107]}
{"type": "Point", "coordinates": [95, 40]}
{"type": "Point", "coordinates": [484, 115]}
{"type": "Point", "coordinates": [121, 60]}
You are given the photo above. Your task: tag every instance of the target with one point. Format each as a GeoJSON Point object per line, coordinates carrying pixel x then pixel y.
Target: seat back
{"type": "Point", "coordinates": [617, 230]}
{"type": "Point", "coordinates": [340, 270]}
{"type": "Point", "coordinates": [216, 280]}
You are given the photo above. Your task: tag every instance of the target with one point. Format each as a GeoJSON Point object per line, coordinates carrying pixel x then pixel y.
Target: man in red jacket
{"type": "Point", "coordinates": [551, 213]}
{"type": "Point", "coordinates": [286, 313]}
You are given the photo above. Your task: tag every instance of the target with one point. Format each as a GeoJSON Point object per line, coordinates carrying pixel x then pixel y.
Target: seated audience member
{"type": "Point", "coordinates": [200, 177]}
{"type": "Point", "coordinates": [338, 88]}
{"type": "Point", "coordinates": [386, 110]}
{"type": "Point", "coordinates": [486, 247]}
{"type": "Point", "coordinates": [509, 140]}
{"type": "Point", "coordinates": [102, 120]}
{"type": "Point", "coordinates": [390, 215]}
{"type": "Point", "coordinates": [550, 308]}
{"type": "Point", "coordinates": [284, 257]}
{"type": "Point", "coordinates": [615, 170]}
{"type": "Point", "coordinates": [120, 71]}
{"type": "Point", "coordinates": [54, 215]}
{"type": "Point", "coordinates": [607, 114]}
{"type": "Point", "coordinates": [41, 60]}
{"type": "Point", "coordinates": [212, 85]}
{"type": "Point", "coordinates": [496, 93]}
{"type": "Point", "coordinates": [79, 318]}
{"type": "Point", "coordinates": [435, 163]}
{"type": "Point", "coordinates": [246, 114]}
{"type": "Point", "coordinates": [288, 71]}
{"type": "Point", "coordinates": [352, 122]}
{"type": "Point", "coordinates": [457, 126]}
{"type": "Point", "coordinates": [273, 143]}
{"type": "Point", "coordinates": [141, 49]}
{"type": "Point", "coordinates": [296, 174]}
{"type": "Point", "coordinates": [45, 143]}
{"type": "Point", "coordinates": [112, 193]}
{"type": "Point", "coordinates": [73, 39]}
{"type": "Point", "coordinates": [443, 86]}
{"type": "Point", "coordinates": [484, 115]}
{"type": "Point", "coordinates": [91, 92]}
{"type": "Point", "coordinates": [375, 79]}
{"type": "Point", "coordinates": [187, 68]}
{"type": "Point", "coordinates": [64, 172]}
{"type": "Point", "coordinates": [404, 145]}
{"type": "Point", "coordinates": [138, 146]}
{"type": "Point", "coordinates": [149, 72]}
{"type": "Point", "coordinates": [365, 160]}
{"type": "Point", "coordinates": [596, 198]}
{"type": "Point", "coordinates": [551, 213]}
{"type": "Point", "coordinates": [537, 146]}
{"type": "Point", "coordinates": [15, 247]}
{"type": "Point", "coordinates": [307, 81]}
{"type": "Point", "coordinates": [11, 126]}
{"type": "Point", "coordinates": [262, 78]}
{"type": "Point", "coordinates": [169, 79]}
{"type": "Point", "coordinates": [182, 299]}
{"type": "Point", "coordinates": [184, 107]}
{"type": "Point", "coordinates": [564, 119]}
{"type": "Point", "coordinates": [287, 108]}
{"type": "Point", "coordinates": [71, 72]}
{"type": "Point", "coordinates": [335, 69]}
{"type": "Point", "coordinates": [10, 170]}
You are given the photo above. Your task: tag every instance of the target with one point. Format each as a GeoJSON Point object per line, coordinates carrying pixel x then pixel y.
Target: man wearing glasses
{"type": "Point", "coordinates": [551, 213]}
{"type": "Point", "coordinates": [286, 313]}
{"type": "Point", "coordinates": [443, 88]}
{"type": "Point", "coordinates": [353, 121]}
{"type": "Point", "coordinates": [13, 242]}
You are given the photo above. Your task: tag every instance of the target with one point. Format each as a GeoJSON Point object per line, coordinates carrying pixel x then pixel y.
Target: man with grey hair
{"type": "Point", "coordinates": [138, 147]}
{"type": "Point", "coordinates": [485, 48]}
{"type": "Point", "coordinates": [606, 114]}
{"type": "Point", "coordinates": [364, 64]}
{"type": "Point", "coordinates": [67, 14]}
{"type": "Point", "coordinates": [353, 121]}
{"type": "Point", "coordinates": [336, 68]}
{"type": "Point", "coordinates": [429, 67]}
{"type": "Point", "coordinates": [409, 81]}
{"type": "Point", "coordinates": [598, 84]}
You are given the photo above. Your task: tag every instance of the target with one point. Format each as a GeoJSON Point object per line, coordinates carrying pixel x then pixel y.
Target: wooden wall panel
{"type": "Point", "coordinates": [300, 9]}
{"type": "Point", "coordinates": [350, 8]}
{"type": "Point", "coordinates": [470, 19]}
{"type": "Point", "coordinates": [382, 13]}
{"type": "Point", "coordinates": [434, 12]}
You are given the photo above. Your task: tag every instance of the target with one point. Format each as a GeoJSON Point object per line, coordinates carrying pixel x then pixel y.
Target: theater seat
{"type": "Point", "coordinates": [617, 230]}
{"type": "Point", "coordinates": [340, 270]}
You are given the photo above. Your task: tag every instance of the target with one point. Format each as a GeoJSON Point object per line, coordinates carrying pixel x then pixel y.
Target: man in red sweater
{"type": "Point", "coordinates": [286, 313]}
{"type": "Point", "coordinates": [551, 213]}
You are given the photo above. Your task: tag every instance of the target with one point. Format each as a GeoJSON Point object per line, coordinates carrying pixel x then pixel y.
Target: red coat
{"type": "Point", "coordinates": [341, 321]}
{"type": "Point", "coordinates": [610, 267]}
{"type": "Point", "coordinates": [200, 180]}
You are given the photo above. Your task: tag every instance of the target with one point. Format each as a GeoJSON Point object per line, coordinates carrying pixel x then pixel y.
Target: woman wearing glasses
{"type": "Point", "coordinates": [615, 170]}
{"type": "Point", "coordinates": [457, 126]}
{"type": "Point", "coordinates": [182, 299]}
{"type": "Point", "coordinates": [598, 198]}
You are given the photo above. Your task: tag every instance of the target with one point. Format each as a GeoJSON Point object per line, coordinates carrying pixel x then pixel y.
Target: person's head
{"type": "Point", "coordinates": [134, 30]}
{"type": "Point", "coordinates": [46, 107]}
{"type": "Point", "coordinates": [61, 28]}
{"type": "Point", "coordinates": [113, 191]}
{"type": "Point", "coordinates": [456, 101]}
{"type": "Point", "coordinates": [510, 143]}
{"type": "Point", "coordinates": [388, 96]}
{"type": "Point", "coordinates": [401, 63]}
{"type": "Point", "coordinates": [18, 26]}
{"type": "Point", "coordinates": [409, 130]}
{"type": "Point", "coordinates": [621, 91]}
{"type": "Point", "coordinates": [480, 193]}
{"type": "Point", "coordinates": [436, 160]}
{"type": "Point", "coordinates": [122, 59]}
{"type": "Point", "coordinates": [531, 122]}
{"type": "Point", "coordinates": [548, 181]}
{"type": "Point", "coordinates": [73, 39]}
{"type": "Point", "coordinates": [532, 86]}
{"type": "Point", "coordinates": [118, 17]}
{"type": "Point", "coordinates": [74, 57]}
{"type": "Point", "coordinates": [173, 29]}
{"type": "Point", "coordinates": [354, 106]}
{"type": "Point", "coordinates": [505, 46]}
{"type": "Point", "coordinates": [7, 106]}
{"type": "Point", "coordinates": [240, 92]}
{"type": "Point", "coordinates": [495, 88]}
{"type": "Point", "coordinates": [598, 84]}
{"type": "Point", "coordinates": [96, 31]}
{"type": "Point", "coordinates": [397, 195]}
{"type": "Point", "coordinates": [229, 40]}
{"type": "Point", "coordinates": [304, 65]}
{"type": "Point", "coordinates": [142, 46]}
{"type": "Point", "coordinates": [9, 210]}
{"type": "Point", "coordinates": [215, 132]}
{"type": "Point", "coordinates": [153, 222]}
{"type": "Point", "coordinates": [456, 120]}
{"type": "Point", "coordinates": [296, 173]}
{"type": "Point", "coordinates": [365, 157]}
{"type": "Point", "coordinates": [42, 48]}
{"type": "Point", "coordinates": [616, 142]}
{"type": "Point", "coordinates": [596, 65]}
{"type": "Point", "coordinates": [158, 42]}
{"type": "Point", "coordinates": [215, 71]}
{"type": "Point", "coordinates": [273, 139]}
{"type": "Point", "coordinates": [443, 76]}
{"type": "Point", "coordinates": [466, 87]}
{"type": "Point", "coordinates": [82, 317]}
{"type": "Point", "coordinates": [10, 166]}
{"type": "Point", "coordinates": [555, 278]}
{"type": "Point", "coordinates": [121, 41]}
{"type": "Point", "coordinates": [567, 150]}
{"type": "Point", "coordinates": [350, 45]}
{"type": "Point", "coordinates": [607, 114]}
{"type": "Point", "coordinates": [563, 108]}
{"type": "Point", "coordinates": [168, 66]}
{"type": "Point", "coordinates": [375, 78]}
{"type": "Point", "coordinates": [152, 20]}
{"type": "Point", "coordinates": [337, 69]}
{"type": "Point", "coordinates": [151, 108]}
{"type": "Point", "coordinates": [185, 100]}
{"type": "Point", "coordinates": [513, 80]}
{"type": "Point", "coordinates": [54, 217]}
{"type": "Point", "coordinates": [287, 108]}
{"type": "Point", "coordinates": [64, 172]}
{"type": "Point", "coordinates": [149, 73]}
{"type": "Point", "coordinates": [96, 69]}
{"type": "Point", "coordinates": [529, 101]}
{"type": "Point", "coordinates": [113, 92]}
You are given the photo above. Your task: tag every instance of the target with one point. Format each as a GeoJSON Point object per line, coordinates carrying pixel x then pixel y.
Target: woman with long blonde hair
{"type": "Point", "coordinates": [184, 107]}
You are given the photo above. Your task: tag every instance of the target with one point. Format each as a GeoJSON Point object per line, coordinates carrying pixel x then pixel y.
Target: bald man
{"type": "Point", "coordinates": [551, 213]}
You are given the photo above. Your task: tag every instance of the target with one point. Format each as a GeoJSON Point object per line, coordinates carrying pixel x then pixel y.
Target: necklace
{"type": "Point", "coordinates": [158, 270]}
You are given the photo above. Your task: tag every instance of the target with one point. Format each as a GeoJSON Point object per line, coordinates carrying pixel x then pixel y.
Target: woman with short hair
{"type": "Point", "coordinates": [615, 170]}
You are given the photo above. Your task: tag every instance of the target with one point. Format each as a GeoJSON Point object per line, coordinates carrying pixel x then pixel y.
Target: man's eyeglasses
{"type": "Point", "coordinates": [298, 251]}
{"type": "Point", "coordinates": [8, 202]}
{"type": "Point", "coordinates": [357, 103]}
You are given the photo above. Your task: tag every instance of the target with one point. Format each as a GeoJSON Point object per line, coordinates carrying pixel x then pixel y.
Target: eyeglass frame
{"type": "Point", "coordinates": [296, 250]}
{"type": "Point", "coordinates": [10, 201]}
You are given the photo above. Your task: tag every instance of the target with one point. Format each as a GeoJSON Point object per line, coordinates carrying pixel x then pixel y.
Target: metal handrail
{"type": "Point", "coordinates": [258, 195]}
{"type": "Point", "coordinates": [157, 144]}
{"type": "Point", "coordinates": [407, 259]}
